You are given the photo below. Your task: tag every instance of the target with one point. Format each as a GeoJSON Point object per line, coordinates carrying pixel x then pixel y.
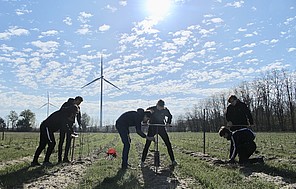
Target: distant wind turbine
{"type": "Point", "coordinates": [48, 104]}
{"type": "Point", "coordinates": [102, 79]}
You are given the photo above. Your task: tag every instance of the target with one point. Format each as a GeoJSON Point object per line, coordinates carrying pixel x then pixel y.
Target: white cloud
{"type": "Point", "coordinates": [209, 44]}
{"type": "Point", "coordinates": [236, 4]}
{"type": "Point", "coordinates": [22, 11]}
{"type": "Point", "coordinates": [50, 33]}
{"type": "Point", "coordinates": [68, 21]}
{"type": "Point", "coordinates": [48, 46]}
{"type": "Point", "coordinates": [13, 31]}
{"type": "Point", "coordinates": [123, 3]}
{"type": "Point", "coordinates": [292, 49]}
{"type": "Point", "coordinates": [84, 29]}
{"type": "Point", "coordinates": [186, 57]}
{"type": "Point", "coordinates": [217, 20]}
{"type": "Point", "coordinates": [112, 9]}
{"type": "Point", "coordinates": [5, 48]}
{"type": "Point", "coordinates": [84, 17]}
{"type": "Point", "coordinates": [245, 53]}
{"type": "Point", "coordinates": [104, 28]}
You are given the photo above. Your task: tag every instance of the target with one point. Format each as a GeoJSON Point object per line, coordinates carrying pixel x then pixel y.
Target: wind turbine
{"type": "Point", "coordinates": [48, 104]}
{"type": "Point", "coordinates": [102, 79]}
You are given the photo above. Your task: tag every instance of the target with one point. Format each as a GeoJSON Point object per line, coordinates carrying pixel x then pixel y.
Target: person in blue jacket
{"type": "Point", "coordinates": [131, 119]}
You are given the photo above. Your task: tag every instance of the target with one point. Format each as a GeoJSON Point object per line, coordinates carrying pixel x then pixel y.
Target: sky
{"type": "Point", "coordinates": [181, 51]}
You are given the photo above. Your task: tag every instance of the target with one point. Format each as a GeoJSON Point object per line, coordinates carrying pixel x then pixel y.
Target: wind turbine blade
{"type": "Point", "coordinates": [43, 105]}
{"type": "Point", "coordinates": [111, 83]}
{"type": "Point", "coordinates": [53, 105]}
{"type": "Point", "coordinates": [92, 82]}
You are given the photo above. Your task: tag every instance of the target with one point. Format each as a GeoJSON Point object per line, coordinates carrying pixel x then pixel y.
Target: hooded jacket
{"type": "Point", "coordinates": [239, 114]}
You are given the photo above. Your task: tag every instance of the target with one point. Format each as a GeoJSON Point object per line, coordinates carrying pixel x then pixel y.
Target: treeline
{"type": "Point", "coordinates": [271, 99]}
{"type": "Point", "coordinates": [22, 122]}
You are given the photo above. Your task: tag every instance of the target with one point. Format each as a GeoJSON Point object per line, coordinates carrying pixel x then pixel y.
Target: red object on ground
{"type": "Point", "coordinates": [112, 152]}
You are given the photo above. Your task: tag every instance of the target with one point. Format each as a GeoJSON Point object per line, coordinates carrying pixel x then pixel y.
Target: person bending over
{"type": "Point", "coordinates": [241, 144]}
{"type": "Point", "coordinates": [67, 130]}
{"type": "Point", "coordinates": [126, 120]}
{"type": "Point", "coordinates": [47, 128]}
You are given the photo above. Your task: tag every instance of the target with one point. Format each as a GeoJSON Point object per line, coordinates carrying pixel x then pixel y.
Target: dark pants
{"type": "Point", "coordinates": [46, 138]}
{"type": "Point", "coordinates": [164, 135]}
{"type": "Point", "coordinates": [245, 151]}
{"type": "Point", "coordinates": [64, 132]}
{"type": "Point", "coordinates": [126, 140]}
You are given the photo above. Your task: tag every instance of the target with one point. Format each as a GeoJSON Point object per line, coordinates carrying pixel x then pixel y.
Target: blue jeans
{"type": "Point", "coordinates": [126, 140]}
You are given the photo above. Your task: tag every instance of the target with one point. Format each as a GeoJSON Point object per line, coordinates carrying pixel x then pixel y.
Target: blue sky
{"type": "Point", "coordinates": [180, 51]}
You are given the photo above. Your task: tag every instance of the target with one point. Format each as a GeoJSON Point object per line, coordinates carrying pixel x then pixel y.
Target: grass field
{"type": "Point", "coordinates": [91, 168]}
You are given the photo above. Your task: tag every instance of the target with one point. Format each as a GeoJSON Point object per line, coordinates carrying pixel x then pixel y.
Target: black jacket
{"type": "Point", "coordinates": [238, 138]}
{"type": "Point", "coordinates": [69, 103]}
{"type": "Point", "coordinates": [59, 118]}
{"type": "Point", "coordinates": [158, 116]}
{"type": "Point", "coordinates": [130, 119]}
{"type": "Point", "coordinates": [239, 114]}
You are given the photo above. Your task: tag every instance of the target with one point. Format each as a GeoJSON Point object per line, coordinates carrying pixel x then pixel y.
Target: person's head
{"type": "Point", "coordinates": [160, 105]}
{"type": "Point", "coordinates": [145, 115]}
{"type": "Point", "coordinates": [225, 132]}
{"type": "Point", "coordinates": [232, 100]}
{"type": "Point", "coordinates": [78, 100]}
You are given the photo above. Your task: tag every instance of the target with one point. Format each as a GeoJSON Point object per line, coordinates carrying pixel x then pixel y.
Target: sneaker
{"type": "Point", "coordinates": [174, 163]}
{"type": "Point", "coordinates": [47, 164]}
{"type": "Point", "coordinates": [35, 163]}
{"type": "Point", "coordinates": [260, 160]}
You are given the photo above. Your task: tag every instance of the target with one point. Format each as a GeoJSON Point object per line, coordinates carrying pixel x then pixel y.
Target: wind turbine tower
{"type": "Point", "coordinates": [102, 79]}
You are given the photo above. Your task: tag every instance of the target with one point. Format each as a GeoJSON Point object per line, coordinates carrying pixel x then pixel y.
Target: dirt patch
{"type": "Point", "coordinates": [162, 177]}
{"type": "Point", "coordinates": [62, 176]}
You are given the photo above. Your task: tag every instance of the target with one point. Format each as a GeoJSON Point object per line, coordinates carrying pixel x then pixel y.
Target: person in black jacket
{"type": "Point", "coordinates": [126, 120]}
{"type": "Point", "coordinates": [47, 128]}
{"type": "Point", "coordinates": [67, 130]}
{"type": "Point", "coordinates": [159, 115]}
{"type": "Point", "coordinates": [242, 144]}
{"type": "Point", "coordinates": [238, 114]}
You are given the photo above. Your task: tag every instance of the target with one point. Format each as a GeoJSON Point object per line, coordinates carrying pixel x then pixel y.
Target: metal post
{"type": "Point", "coordinates": [204, 132]}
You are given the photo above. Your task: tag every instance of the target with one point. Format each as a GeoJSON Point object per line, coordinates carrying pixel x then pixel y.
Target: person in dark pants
{"type": "Point", "coordinates": [126, 120]}
{"type": "Point", "coordinates": [47, 128]}
{"type": "Point", "coordinates": [242, 144]}
{"type": "Point", "coordinates": [238, 114]}
{"type": "Point", "coordinates": [159, 113]}
{"type": "Point", "coordinates": [67, 130]}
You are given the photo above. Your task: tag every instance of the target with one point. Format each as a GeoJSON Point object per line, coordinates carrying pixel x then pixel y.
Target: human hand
{"type": "Point", "coordinates": [168, 125]}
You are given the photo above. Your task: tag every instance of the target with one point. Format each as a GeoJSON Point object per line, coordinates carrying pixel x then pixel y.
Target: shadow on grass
{"type": "Point", "coordinates": [162, 179]}
{"type": "Point", "coordinates": [16, 179]}
{"type": "Point", "coordinates": [121, 180]}
{"type": "Point", "coordinates": [287, 175]}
